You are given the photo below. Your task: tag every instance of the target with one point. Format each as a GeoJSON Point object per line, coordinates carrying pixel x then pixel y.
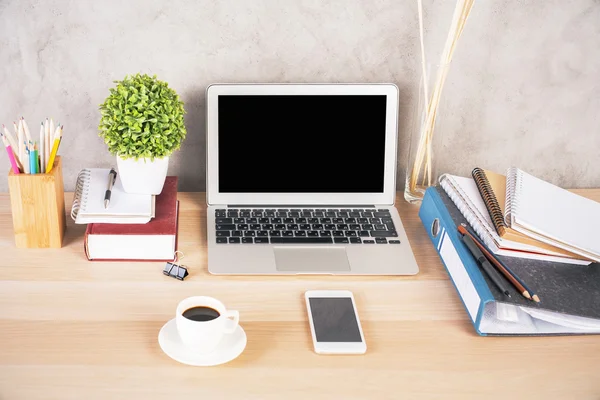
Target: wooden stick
{"type": "Point", "coordinates": [424, 152]}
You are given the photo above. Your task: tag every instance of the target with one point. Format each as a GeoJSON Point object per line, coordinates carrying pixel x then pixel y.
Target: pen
{"type": "Point", "coordinates": [112, 177]}
{"type": "Point", "coordinates": [507, 272]}
{"type": "Point", "coordinates": [485, 264]}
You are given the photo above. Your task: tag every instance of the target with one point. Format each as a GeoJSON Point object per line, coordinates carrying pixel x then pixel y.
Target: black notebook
{"type": "Point", "coordinates": [570, 294]}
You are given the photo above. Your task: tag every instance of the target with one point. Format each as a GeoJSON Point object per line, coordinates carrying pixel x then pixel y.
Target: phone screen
{"type": "Point", "coordinates": [334, 319]}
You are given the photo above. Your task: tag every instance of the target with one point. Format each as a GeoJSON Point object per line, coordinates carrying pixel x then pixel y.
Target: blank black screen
{"type": "Point", "coordinates": [334, 319]}
{"type": "Point", "coordinates": [301, 143]}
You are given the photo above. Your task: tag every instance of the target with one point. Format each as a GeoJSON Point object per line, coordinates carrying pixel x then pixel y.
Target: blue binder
{"type": "Point", "coordinates": [570, 294]}
{"type": "Point", "coordinates": [460, 264]}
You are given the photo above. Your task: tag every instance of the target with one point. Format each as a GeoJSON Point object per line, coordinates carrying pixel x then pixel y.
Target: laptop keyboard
{"type": "Point", "coordinates": [305, 225]}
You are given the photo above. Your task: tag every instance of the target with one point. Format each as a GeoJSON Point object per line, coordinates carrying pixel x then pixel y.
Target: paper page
{"type": "Point", "coordinates": [121, 203]}
{"type": "Point", "coordinates": [506, 312]}
{"type": "Point", "coordinates": [557, 214]}
{"type": "Point", "coordinates": [470, 193]}
{"type": "Point", "coordinates": [490, 324]}
{"type": "Point", "coordinates": [569, 321]}
{"type": "Point", "coordinates": [527, 324]}
{"type": "Point", "coordinates": [538, 256]}
{"type": "Point", "coordinates": [486, 231]}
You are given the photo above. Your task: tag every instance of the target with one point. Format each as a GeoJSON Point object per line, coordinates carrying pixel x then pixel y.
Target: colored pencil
{"type": "Point", "coordinates": [53, 153]}
{"type": "Point", "coordinates": [29, 156]}
{"type": "Point", "coordinates": [50, 140]}
{"type": "Point", "coordinates": [56, 133]}
{"type": "Point", "coordinates": [488, 254]}
{"type": "Point", "coordinates": [20, 138]}
{"type": "Point", "coordinates": [33, 160]}
{"type": "Point", "coordinates": [42, 151]}
{"type": "Point", "coordinates": [11, 139]}
{"type": "Point", "coordinates": [507, 272]}
{"type": "Point", "coordinates": [26, 129]}
{"type": "Point", "coordinates": [47, 138]}
{"type": "Point", "coordinates": [534, 296]}
{"type": "Point", "coordinates": [13, 146]}
{"type": "Point", "coordinates": [27, 160]}
{"type": "Point", "coordinates": [11, 155]}
{"type": "Point", "coordinates": [484, 264]}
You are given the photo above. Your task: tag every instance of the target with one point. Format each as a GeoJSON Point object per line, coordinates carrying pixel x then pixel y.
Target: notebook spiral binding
{"type": "Point", "coordinates": [511, 189]}
{"type": "Point", "coordinates": [81, 193]}
{"type": "Point", "coordinates": [490, 200]}
{"type": "Point", "coordinates": [471, 218]}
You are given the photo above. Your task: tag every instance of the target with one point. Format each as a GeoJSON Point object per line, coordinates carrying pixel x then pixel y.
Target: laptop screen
{"type": "Point", "coordinates": [301, 143]}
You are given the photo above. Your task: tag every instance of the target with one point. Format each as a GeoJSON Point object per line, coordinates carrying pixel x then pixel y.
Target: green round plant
{"type": "Point", "coordinates": [142, 118]}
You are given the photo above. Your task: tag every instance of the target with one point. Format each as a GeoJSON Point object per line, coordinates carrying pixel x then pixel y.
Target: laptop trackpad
{"type": "Point", "coordinates": [307, 260]}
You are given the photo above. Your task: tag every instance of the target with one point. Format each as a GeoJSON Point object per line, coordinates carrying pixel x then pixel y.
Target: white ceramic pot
{"type": "Point", "coordinates": [143, 176]}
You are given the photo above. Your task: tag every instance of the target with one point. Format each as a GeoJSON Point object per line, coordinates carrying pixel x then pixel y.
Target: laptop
{"type": "Point", "coordinates": [301, 179]}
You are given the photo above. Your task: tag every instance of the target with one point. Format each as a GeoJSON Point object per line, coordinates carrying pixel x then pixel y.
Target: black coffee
{"type": "Point", "coordinates": [201, 313]}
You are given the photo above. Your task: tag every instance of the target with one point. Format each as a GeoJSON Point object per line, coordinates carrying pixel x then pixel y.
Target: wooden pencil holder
{"type": "Point", "coordinates": [38, 208]}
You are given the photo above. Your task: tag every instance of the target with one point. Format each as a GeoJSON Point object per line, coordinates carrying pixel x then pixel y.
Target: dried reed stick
{"type": "Point", "coordinates": [423, 159]}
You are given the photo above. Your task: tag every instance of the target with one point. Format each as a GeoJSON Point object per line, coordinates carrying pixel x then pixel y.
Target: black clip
{"type": "Point", "coordinates": [176, 270]}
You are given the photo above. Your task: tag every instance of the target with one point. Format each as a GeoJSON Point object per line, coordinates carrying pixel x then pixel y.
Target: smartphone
{"type": "Point", "coordinates": [334, 322]}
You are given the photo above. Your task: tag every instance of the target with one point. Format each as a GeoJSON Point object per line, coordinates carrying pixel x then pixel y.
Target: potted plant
{"type": "Point", "coordinates": [142, 124]}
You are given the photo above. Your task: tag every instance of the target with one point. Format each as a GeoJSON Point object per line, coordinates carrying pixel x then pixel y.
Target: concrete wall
{"type": "Point", "coordinates": [523, 89]}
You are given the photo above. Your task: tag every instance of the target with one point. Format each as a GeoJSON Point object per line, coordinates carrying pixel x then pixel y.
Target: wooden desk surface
{"type": "Point", "coordinates": [73, 329]}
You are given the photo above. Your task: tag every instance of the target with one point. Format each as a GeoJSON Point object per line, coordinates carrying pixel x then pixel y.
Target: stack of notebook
{"type": "Point", "coordinates": [569, 295]}
{"type": "Point", "coordinates": [522, 216]}
{"type": "Point", "coordinates": [133, 227]}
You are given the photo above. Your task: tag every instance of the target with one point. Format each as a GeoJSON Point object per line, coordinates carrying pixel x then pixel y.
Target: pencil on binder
{"type": "Point", "coordinates": [568, 292]}
{"type": "Point", "coordinates": [508, 274]}
{"type": "Point", "coordinates": [483, 262]}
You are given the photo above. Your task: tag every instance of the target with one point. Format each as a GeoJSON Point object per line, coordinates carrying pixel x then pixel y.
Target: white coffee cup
{"type": "Point", "coordinates": [204, 336]}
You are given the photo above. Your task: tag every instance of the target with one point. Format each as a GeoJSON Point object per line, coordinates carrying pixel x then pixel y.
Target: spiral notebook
{"type": "Point", "coordinates": [570, 296]}
{"type": "Point", "coordinates": [552, 214]}
{"type": "Point", "coordinates": [492, 187]}
{"type": "Point", "coordinates": [124, 208]}
{"type": "Point", "coordinates": [464, 193]}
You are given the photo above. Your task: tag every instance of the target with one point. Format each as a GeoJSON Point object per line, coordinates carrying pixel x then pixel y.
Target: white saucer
{"type": "Point", "coordinates": [231, 346]}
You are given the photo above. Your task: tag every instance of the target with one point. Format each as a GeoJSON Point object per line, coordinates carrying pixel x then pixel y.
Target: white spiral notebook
{"type": "Point", "coordinates": [124, 208]}
{"type": "Point", "coordinates": [552, 214]}
{"type": "Point", "coordinates": [465, 195]}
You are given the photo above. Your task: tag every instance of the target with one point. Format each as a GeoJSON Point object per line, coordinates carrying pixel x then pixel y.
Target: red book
{"type": "Point", "coordinates": [153, 241]}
